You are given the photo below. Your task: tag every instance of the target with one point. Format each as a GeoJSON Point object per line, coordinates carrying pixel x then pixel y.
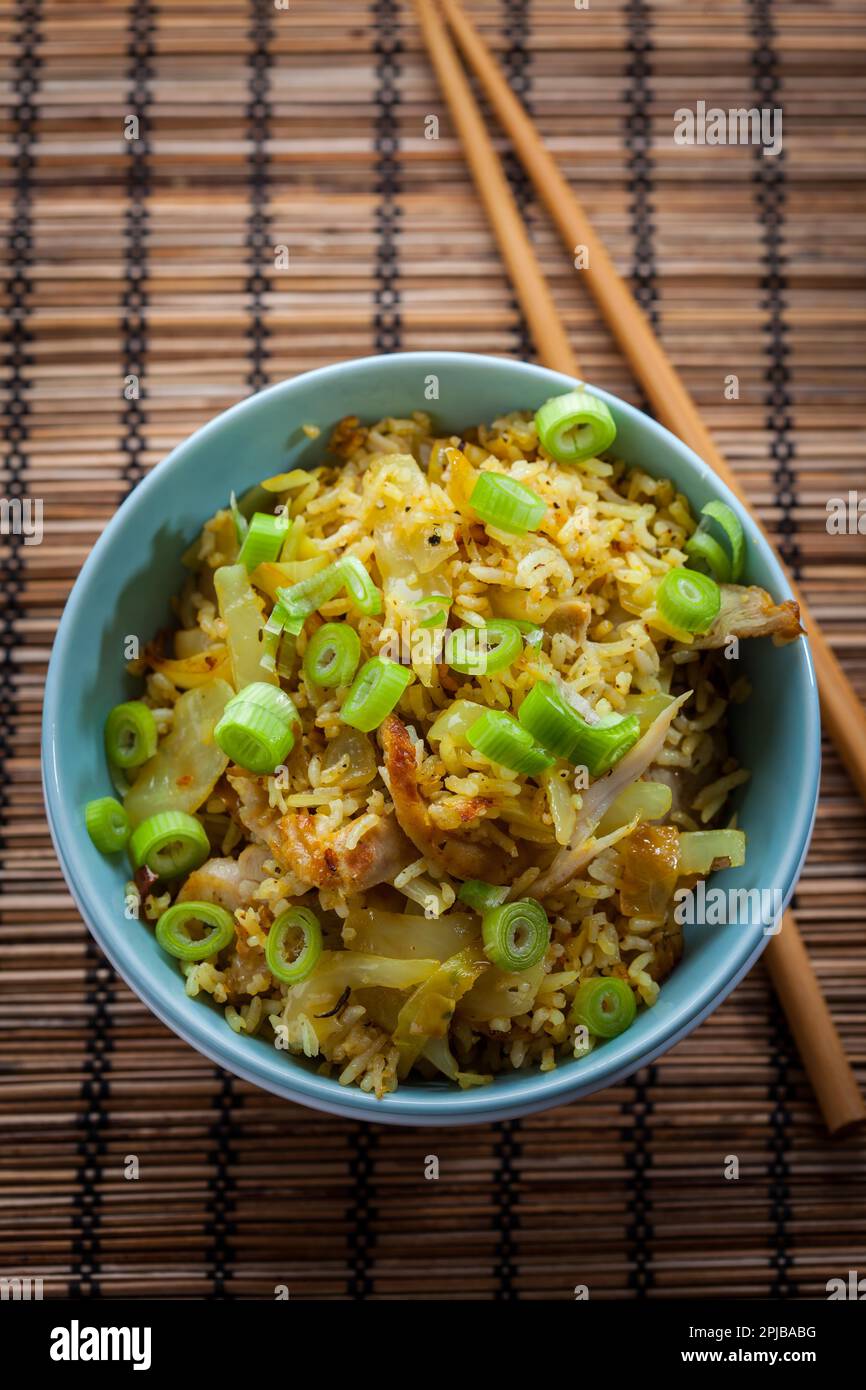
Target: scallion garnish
{"type": "Point", "coordinates": [257, 728]}
{"type": "Point", "coordinates": [688, 600]}
{"type": "Point", "coordinates": [604, 1006]}
{"type": "Point", "coordinates": [704, 549]}
{"type": "Point", "coordinates": [506, 504]}
{"type": "Point", "coordinates": [499, 737]}
{"type": "Point", "coordinates": [172, 930]}
{"type": "Point", "coordinates": [481, 651]}
{"type": "Point", "coordinates": [170, 843]}
{"type": "Point", "coordinates": [296, 921]}
{"type": "Point", "coordinates": [263, 540]}
{"type": "Point", "coordinates": [730, 523]}
{"type": "Point", "coordinates": [359, 586]}
{"type": "Point", "coordinates": [560, 729]}
{"type": "Point", "coordinates": [575, 426]}
{"type": "Point", "coordinates": [332, 655]}
{"type": "Point", "coordinates": [374, 694]}
{"type": "Point", "coordinates": [130, 734]}
{"type": "Point", "coordinates": [516, 935]}
{"type": "Point", "coordinates": [481, 896]}
{"type": "Point", "coordinates": [107, 824]}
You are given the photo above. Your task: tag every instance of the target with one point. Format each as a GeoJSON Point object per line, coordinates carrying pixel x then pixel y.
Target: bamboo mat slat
{"type": "Point", "coordinates": [304, 127]}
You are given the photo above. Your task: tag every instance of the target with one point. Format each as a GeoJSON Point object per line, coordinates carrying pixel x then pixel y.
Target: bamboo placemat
{"type": "Point", "coordinates": [262, 126]}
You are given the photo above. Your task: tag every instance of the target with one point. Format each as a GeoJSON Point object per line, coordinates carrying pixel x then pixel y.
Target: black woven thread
{"type": "Point", "coordinates": [139, 54]}
{"type": "Point", "coordinates": [782, 1285]}
{"type": "Point", "coordinates": [517, 65]}
{"type": "Point", "coordinates": [258, 239]}
{"type": "Point", "coordinates": [769, 180]}
{"type": "Point", "coordinates": [387, 46]}
{"type": "Point", "coordinates": [770, 191]}
{"type": "Point", "coordinates": [362, 1214]}
{"type": "Point", "coordinates": [638, 143]}
{"type": "Point", "coordinates": [507, 1150]}
{"type": "Point", "coordinates": [220, 1225]}
{"type": "Point", "coordinates": [639, 163]}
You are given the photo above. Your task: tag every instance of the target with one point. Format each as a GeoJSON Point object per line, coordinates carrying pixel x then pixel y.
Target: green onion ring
{"type": "Point", "coordinates": [689, 600]}
{"type": "Point", "coordinates": [107, 824]}
{"type": "Point", "coordinates": [174, 939]}
{"type": "Point", "coordinates": [480, 651]}
{"type": "Point", "coordinates": [604, 1006]}
{"type": "Point", "coordinates": [505, 504]}
{"type": "Point", "coordinates": [516, 935]}
{"type": "Point", "coordinates": [130, 734]}
{"type": "Point", "coordinates": [293, 920]}
{"type": "Point", "coordinates": [575, 426]}
{"type": "Point", "coordinates": [171, 843]}
{"type": "Point", "coordinates": [332, 655]}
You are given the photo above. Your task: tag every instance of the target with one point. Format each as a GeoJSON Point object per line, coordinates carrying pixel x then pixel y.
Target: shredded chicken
{"type": "Point", "coordinates": [602, 794]}
{"type": "Point", "coordinates": [571, 617]}
{"type": "Point", "coordinates": [330, 862]}
{"type": "Point", "coordinates": [230, 883]}
{"type": "Point", "coordinates": [460, 857]}
{"type": "Point", "coordinates": [748, 611]}
{"type": "Point", "coordinates": [321, 861]}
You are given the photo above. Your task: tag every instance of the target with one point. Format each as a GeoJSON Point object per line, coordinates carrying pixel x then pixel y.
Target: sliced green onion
{"type": "Point", "coordinates": [550, 719]}
{"type": "Point", "coordinates": [376, 690]}
{"type": "Point", "coordinates": [332, 655]}
{"type": "Point", "coordinates": [516, 935]}
{"type": "Point", "coordinates": [733, 528]}
{"type": "Point", "coordinates": [107, 824]}
{"type": "Point", "coordinates": [278, 640]}
{"type": "Point", "coordinates": [533, 635]}
{"type": "Point", "coordinates": [704, 549]}
{"type": "Point", "coordinates": [170, 843]}
{"type": "Point", "coordinates": [263, 541]}
{"type": "Point", "coordinates": [240, 520]}
{"type": "Point", "coordinates": [173, 935]}
{"type": "Point", "coordinates": [506, 504]}
{"type": "Point", "coordinates": [130, 734]}
{"type": "Point", "coordinates": [301, 599]}
{"type": "Point", "coordinates": [600, 746]}
{"type": "Point", "coordinates": [437, 619]}
{"type": "Point", "coordinates": [291, 970]}
{"type": "Point", "coordinates": [257, 727]}
{"type": "Point", "coordinates": [499, 737]}
{"type": "Point", "coordinates": [481, 896]}
{"type": "Point", "coordinates": [575, 426]}
{"type": "Point", "coordinates": [688, 599]}
{"type": "Point", "coordinates": [605, 1007]}
{"type": "Point", "coordinates": [560, 729]}
{"type": "Point", "coordinates": [359, 586]}
{"type": "Point", "coordinates": [479, 651]}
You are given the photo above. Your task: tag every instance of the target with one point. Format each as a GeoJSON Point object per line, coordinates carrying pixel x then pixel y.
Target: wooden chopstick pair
{"type": "Point", "coordinates": [791, 971]}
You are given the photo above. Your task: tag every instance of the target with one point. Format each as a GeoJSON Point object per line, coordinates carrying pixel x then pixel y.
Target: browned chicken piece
{"type": "Point", "coordinates": [253, 809]}
{"type": "Point", "coordinates": [571, 617]}
{"type": "Point", "coordinates": [460, 857]}
{"type": "Point", "coordinates": [327, 862]}
{"type": "Point", "coordinates": [321, 861]}
{"type": "Point", "coordinates": [748, 611]}
{"type": "Point", "coordinates": [230, 883]}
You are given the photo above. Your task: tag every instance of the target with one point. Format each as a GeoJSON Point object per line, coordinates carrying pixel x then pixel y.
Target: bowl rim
{"type": "Point", "coordinates": [408, 1105]}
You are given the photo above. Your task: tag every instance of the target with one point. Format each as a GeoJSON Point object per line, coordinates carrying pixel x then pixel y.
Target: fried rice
{"type": "Point", "coordinates": [378, 832]}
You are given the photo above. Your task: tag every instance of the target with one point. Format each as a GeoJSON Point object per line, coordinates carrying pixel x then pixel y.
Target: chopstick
{"type": "Point", "coordinates": [791, 971]}
{"type": "Point", "coordinates": [844, 716]}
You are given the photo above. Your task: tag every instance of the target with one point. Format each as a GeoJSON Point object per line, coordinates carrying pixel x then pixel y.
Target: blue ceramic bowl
{"type": "Point", "coordinates": [126, 585]}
